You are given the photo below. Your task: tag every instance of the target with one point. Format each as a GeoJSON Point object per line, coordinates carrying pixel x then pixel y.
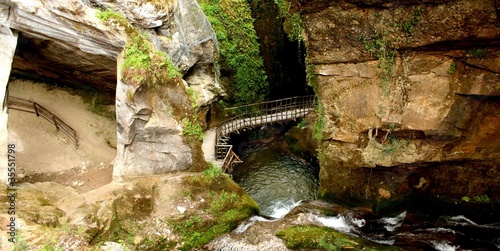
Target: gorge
{"type": "Point", "coordinates": [408, 113]}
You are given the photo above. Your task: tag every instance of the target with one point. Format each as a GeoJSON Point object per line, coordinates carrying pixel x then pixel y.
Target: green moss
{"type": "Point", "coordinates": [193, 97]}
{"type": "Point", "coordinates": [313, 237]}
{"type": "Point", "coordinates": [292, 24]}
{"type": "Point", "coordinates": [142, 64]}
{"type": "Point", "coordinates": [240, 61]}
{"type": "Point", "coordinates": [293, 27]}
{"type": "Point", "coordinates": [312, 79]}
{"type": "Point", "coordinates": [319, 124]}
{"type": "Point", "coordinates": [227, 206]}
{"type": "Point", "coordinates": [192, 129]}
{"type": "Point", "coordinates": [394, 145]}
{"type": "Point", "coordinates": [482, 199]}
{"type": "Point", "coordinates": [109, 14]}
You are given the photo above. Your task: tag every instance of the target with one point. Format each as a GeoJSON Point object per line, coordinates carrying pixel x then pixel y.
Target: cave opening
{"type": "Point", "coordinates": [61, 114]}
{"type": "Point", "coordinates": [276, 170]}
{"type": "Point", "coordinates": [284, 60]}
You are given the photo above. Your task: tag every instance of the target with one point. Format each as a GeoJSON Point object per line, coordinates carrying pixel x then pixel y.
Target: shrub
{"type": "Point", "coordinates": [240, 59]}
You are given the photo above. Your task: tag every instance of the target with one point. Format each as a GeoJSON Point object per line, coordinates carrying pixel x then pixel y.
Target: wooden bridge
{"type": "Point", "coordinates": [250, 116]}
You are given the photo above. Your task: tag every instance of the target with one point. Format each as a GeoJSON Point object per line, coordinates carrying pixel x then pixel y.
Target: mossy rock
{"type": "Point", "coordinates": [227, 205]}
{"type": "Point", "coordinates": [314, 237]}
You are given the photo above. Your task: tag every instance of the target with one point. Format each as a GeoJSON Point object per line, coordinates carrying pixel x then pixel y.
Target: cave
{"type": "Point", "coordinates": [61, 113]}
{"type": "Point", "coordinates": [284, 60]}
{"type": "Point", "coordinates": [57, 63]}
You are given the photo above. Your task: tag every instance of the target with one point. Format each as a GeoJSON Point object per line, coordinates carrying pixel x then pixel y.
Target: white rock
{"type": "Point", "coordinates": [181, 209]}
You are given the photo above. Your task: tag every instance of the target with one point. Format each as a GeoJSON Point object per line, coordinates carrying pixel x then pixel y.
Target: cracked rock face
{"type": "Point", "coordinates": [65, 41]}
{"type": "Point", "coordinates": [405, 86]}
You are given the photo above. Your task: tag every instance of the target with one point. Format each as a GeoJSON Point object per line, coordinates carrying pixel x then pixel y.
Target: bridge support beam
{"type": "Point", "coordinates": [8, 43]}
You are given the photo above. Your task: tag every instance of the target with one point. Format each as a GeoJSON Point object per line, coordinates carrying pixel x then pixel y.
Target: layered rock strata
{"type": "Point", "coordinates": [71, 42]}
{"type": "Point", "coordinates": [410, 97]}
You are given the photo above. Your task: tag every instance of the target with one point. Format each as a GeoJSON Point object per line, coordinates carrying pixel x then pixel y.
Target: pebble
{"type": "Point", "coordinates": [181, 209]}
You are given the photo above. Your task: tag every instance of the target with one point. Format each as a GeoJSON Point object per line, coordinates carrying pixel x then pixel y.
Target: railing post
{"type": "Point", "coordinates": [36, 109]}
{"type": "Point", "coordinates": [55, 122]}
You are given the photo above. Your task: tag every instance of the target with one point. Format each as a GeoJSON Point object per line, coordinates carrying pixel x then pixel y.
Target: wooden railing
{"type": "Point", "coordinates": [40, 111]}
{"type": "Point", "coordinates": [252, 115]}
{"type": "Point", "coordinates": [230, 157]}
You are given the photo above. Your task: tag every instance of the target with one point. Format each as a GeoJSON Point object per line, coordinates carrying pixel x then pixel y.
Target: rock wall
{"type": "Point", "coordinates": [8, 42]}
{"type": "Point", "coordinates": [410, 97]}
{"type": "Point", "coordinates": [66, 41]}
{"type": "Point", "coordinates": [149, 137]}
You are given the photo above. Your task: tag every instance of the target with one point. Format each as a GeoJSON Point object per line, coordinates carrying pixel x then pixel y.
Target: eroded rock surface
{"type": "Point", "coordinates": [68, 42]}
{"type": "Point", "coordinates": [406, 86]}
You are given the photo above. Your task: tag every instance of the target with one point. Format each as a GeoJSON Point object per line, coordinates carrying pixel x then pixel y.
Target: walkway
{"type": "Point", "coordinates": [33, 107]}
{"type": "Point", "coordinates": [216, 147]}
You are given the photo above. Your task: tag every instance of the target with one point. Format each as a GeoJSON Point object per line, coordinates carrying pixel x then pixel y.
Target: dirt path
{"type": "Point", "coordinates": [43, 154]}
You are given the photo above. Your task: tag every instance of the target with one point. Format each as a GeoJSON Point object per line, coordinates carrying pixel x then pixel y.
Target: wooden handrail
{"type": "Point", "coordinates": [24, 105]}
{"type": "Point", "coordinates": [257, 114]}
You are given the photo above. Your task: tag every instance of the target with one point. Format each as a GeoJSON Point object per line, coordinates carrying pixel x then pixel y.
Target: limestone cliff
{"type": "Point", "coordinates": [75, 43]}
{"type": "Point", "coordinates": [404, 86]}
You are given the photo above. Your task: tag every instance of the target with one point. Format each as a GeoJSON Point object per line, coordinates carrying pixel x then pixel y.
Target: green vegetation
{"type": "Point", "coordinates": [379, 46]}
{"type": "Point", "coordinates": [20, 244]}
{"type": "Point", "coordinates": [394, 145]}
{"type": "Point", "coordinates": [409, 25]}
{"type": "Point", "coordinates": [226, 206]}
{"type": "Point", "coordinates": [292, 24]}
{"type": "Point", "coordinates": [109, 14]}
{"type": "Point", "coordinates": [312, 79]}
{"type": "Point", "coordinates": [384, 40]}
{"type": "Point", "coordinates": [193, 97]}
{"type": "Point", "coordinates": [319, 124]}
{"type": "Point", "coordinates": [313, 237]}
{"type": "Point", "coordinates": [240, 58]}
{"type": "Point", "coordinates": [293, 27]}
{"type": "Point", "coordinates": [143, 64]}
{"type": "Point", "coordinates": [283, 7]}
{"type": "Point", "coordinates": [452, 68]}
{"type": "Point", "coordinates": [482, 199]}
{"type": "Point", "coordinates": [212, 172]}
{"type": "Point", "coordinates": [478, 199]}
{"type": "Point", "coordinates": [478, 53]}
{"type": "Point", "coordinates": [302, 123]}
{"type": "Point", "coordinates": [192, 129]}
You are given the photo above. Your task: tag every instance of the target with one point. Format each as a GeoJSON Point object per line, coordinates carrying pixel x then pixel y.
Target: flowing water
{"type": "Point", "coordinates": [275, 178]}
{"type": "Point", "coordinates": [278, 181]}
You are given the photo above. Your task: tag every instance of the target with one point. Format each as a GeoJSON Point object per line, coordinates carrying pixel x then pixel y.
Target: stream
{"type": "Point", "coordinates": [279, 181]}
